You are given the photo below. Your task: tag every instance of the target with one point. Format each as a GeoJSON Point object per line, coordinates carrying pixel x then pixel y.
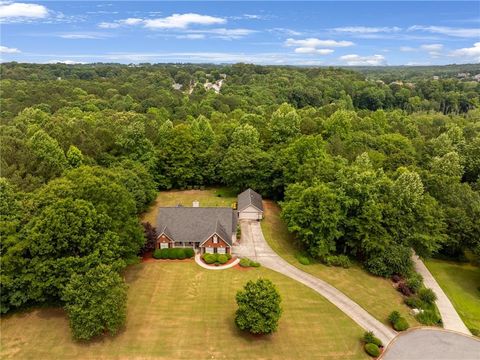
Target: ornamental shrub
{"type": "Point", "coordinates": [229, 256]}
{"type": "Point", "coordinates": [338, 260]}
{"type": "Point", "coordinates": [414, 302]}
{"type": "Point", "coordinates": [404, 289]}
{"type": "Point", "coordinates": [414, 282]}
{"type": "Point", "coordinates": [189, 253]}
{"type": "Point", "coordinates": [394, 316]}
{"type": "Point", "coordinates": [209, 258]}
{"type": "Point", "coordinates": [372, 350]}
{"type": "Point", "coordinates": [244, 262]}
{"type": "Point", "coordinates": [258, 307]}
{"type": "Point", "coordinates": [180, 253]}
{"type": "Point", "coordinates": [396, 278]}
{"type": "Point", "coordinates": [369, 337]}
{"type": "Point", "coordinates": [428, 317]}
{"type": "Point", "coordinates": [172, 253]}
{"type": "Point", "coordinates": [164, 253]}
{"type": "Point", "coordinates": [401, 324]}
{"type": "Point", "coordinates": [157, 254]}
{"type": "Point", "coordinates": [222, 258]}
{"type": "Point", "coordinates": [303, 260]}
{"type": "Point", "coordinates": [427, 295]}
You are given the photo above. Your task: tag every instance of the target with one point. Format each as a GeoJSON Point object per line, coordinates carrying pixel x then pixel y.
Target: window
{"type": "Point", "coordinates": [163, 245]}
{"type": "Point", "coordinates": [220, 250]}
{"type": "Point", "coordinates": [215, 239]}
{"type": "Point", "coordinates": [209, 250]}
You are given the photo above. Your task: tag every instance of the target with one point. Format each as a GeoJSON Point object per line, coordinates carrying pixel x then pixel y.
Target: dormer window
{"type": "Point", "coordinates": [215, 239]}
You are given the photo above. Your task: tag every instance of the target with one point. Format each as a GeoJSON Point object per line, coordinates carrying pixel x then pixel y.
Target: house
{"type": "Point", "coordinates": [210, 229]}
{"type": "Point", "coordinates": [249, 205]}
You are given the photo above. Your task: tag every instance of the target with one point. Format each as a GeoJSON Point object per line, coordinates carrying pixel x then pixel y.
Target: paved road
{"type": "Point", "coordinates": [432, 344]}
{"type": "Point", "coordinates": [450, 318]}
{"type": "Point", "coordinates": [254, 246]}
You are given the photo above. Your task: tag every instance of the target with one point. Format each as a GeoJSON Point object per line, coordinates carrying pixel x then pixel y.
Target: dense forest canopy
{"type": "Point", "coordinates": [365, 166]}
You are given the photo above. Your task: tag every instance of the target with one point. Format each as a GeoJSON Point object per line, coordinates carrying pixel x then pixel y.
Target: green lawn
{"type": "Point", "coordinates": [181, 311]}
{"type": "Point", "coordinates": [374, 294]}
{"type": "Point", "coordinates": [208, 197]}
{"type": "Point", "coordinates": [461, 283]}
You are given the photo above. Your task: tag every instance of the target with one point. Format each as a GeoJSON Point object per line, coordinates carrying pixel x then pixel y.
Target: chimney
{"type": "Point", "coordinates": [196, 204]}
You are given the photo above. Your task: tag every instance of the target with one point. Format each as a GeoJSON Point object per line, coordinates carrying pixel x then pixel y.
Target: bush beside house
{"type": "Point", "coordinates": [174, 253]}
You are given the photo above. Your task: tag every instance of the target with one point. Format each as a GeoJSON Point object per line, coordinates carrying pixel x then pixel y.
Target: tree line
{"type": "Point", "coordinates": [85, 148]}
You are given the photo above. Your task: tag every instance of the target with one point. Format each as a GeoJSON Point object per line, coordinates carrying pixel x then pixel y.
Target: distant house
{"type": "Point", "coordinates": [250, 206]}
{"type": "Point", "coordinates": [210, 229]}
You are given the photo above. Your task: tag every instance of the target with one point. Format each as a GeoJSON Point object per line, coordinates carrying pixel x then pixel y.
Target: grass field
{"type": "Point", "coordinates": [461, 283]}
{"type": "Point", "coordinates": [208, 197]}
{"type": "Point", "coordinates": [374, 294]}
{"type": "Point", "coordinates": [181, 311]}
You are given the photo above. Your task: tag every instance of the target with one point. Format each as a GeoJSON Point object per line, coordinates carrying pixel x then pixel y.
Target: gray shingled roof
{"type": "Point", "coordinates": [196, 224]}
{"type": "Point", "coordinates": [249, 197]}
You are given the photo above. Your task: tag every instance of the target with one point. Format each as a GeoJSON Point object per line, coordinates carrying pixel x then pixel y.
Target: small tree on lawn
{"type": "Point", "coordinates": [150, 238]}
{"type": "Point", "coordinates": [258, 307]}
{"type": "Point", "coordinates": [96, 302]}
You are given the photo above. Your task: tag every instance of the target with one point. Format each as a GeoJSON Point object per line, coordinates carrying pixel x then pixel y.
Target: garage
{"type": "Point", "coordinates": [250, 205]}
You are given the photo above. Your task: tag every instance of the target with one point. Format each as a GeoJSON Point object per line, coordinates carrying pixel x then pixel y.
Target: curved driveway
{"type": "Point", "coordinates": [254, 246]}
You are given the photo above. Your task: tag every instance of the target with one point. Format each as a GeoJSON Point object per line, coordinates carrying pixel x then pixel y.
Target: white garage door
{"type": "Point", "coordinates": [249, 215]}
{"type": "Point", "coordinates": [209, 250]}
{"type": "Point", "coordinates": [163, 245]}
{"type": "Point", "coordinates": [220, 250]}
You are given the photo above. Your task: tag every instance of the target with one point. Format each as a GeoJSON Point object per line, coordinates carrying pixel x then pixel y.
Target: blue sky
{"type": "Point", "coordinates": [298, 33]}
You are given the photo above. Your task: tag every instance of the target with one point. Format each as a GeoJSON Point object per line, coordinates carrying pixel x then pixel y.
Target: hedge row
{"type": "Point", "coordinates": [217, 259]}
{"type": "Point", "coordinates": [174, 253]}
{"type": "Point", "coordinates": [245, 262]}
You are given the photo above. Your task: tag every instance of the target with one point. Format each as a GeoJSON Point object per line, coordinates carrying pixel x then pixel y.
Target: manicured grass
{"type": "Point", "coordinates": [207, 197]}
{"type": "Point", "coordinates": [461, 283]}
{"type": "Point", "coordinates": [374, 294]}
{"type": "Point", "coordinates": [181, 311]}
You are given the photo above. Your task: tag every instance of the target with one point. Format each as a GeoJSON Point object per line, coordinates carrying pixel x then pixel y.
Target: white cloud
{"type": "Point", "coordinates": [366, 29]}
{"type": "Point", "coordinates": [77, 36]}
{"type": "Point", "coordinates": [182, 21]}
{"type": "Point", "coordinates": [7, 50]}
{"type": "Point", "coordinates": [315, 46]}
{"type": "Point", "coordinates": [253, 16]}
{"type": "Point", "coordinates": [285, 31]}
{"type": "Point", "coordinates": [22, 10]}
{"type": "Point", "coordinates": [226, 34]}
{"type": "Point", "coordinates": [432, 47]}
{"type": "Point", "coordinates": [109, 25]}
{"type": "Point", "coordinates": [472, 53]}
{"type": "Point", "coordinates": [357, 60]}
{"type": "Point", "coordinates": [407, 49]}
{"type": "Point", "coordinates": [314, 42]}
{"type": "Point", "coordinates": [191, 36]}
{"type": "Point", "coordinates": [309, 50]}
{"type": "Point", "coordinates": [449, 31]}
{"type": "Point", "coordinates": [67, 62]}
{"type": "Point", "coordinates": [123, 22]}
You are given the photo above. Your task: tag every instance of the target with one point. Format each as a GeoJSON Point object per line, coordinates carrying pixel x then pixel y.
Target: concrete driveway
{"type": "Point", "coordinates": [254, 246]}
{"type": "Point", "coordinates": [432, 344]}
{"type": "Point", "coordinates": [450, 318]}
